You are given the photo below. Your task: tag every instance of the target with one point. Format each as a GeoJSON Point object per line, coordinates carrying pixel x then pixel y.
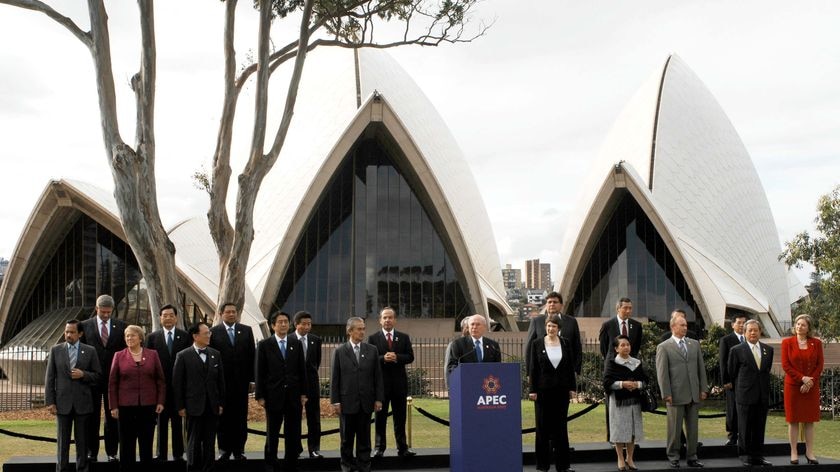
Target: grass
{"type": "Point", "coordinates": [428, 434]}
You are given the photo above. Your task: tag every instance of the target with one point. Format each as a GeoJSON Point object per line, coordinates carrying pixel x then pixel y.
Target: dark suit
{"type": "Point", "coordinates": [552, 386]}
{"type": "Point", "coordinates": [463, 351]}
{"type": "Point", "coordinates": [199, 389]}
{"type": "Point", "coordinates": [105, 352]}
{"type": "Point", "coordinates": [312, 392]}
{"type": "Point", "coordinates": [73, 400]}
{"type": "Point", "coordinates": [238, 360]}
{"type": "Point", "coordinates": [610, 329]}
{"type": "Point", "coordinates": [726, 343]}
{"type": "Point", "coordinates": [356, 386]}
{"type": "Point", "coordinates": [569, 331]}
{"type": "Point", "coordinates": [180, 341]}
{"type": "Point", "coordinates": [752, 395]}
{"type": "Point", "coordinates": [396, 385]}
{"type": "Point", "coordinates": [280, 383]}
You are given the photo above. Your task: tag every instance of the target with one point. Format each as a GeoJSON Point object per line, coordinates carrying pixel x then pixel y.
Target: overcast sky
{"type": "Point", "coordinates": [530, 103]}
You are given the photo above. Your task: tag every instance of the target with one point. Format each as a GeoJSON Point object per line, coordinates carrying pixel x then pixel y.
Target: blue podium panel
{"type": "Point", "coordinates": [485, 418]}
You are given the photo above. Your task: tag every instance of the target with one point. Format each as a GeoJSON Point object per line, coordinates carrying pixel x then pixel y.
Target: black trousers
{"type": "Point", "coordinates": [201, 437]}
{"type": "Point", "coordinates": [291, 437]}
{"type": "Point", "coordinates": [112, 435]}
{"type": "Point", "coordinates": [731, 416]}
{"type": "Point", "coordinates": [355, 428]}
{"type": "Point", "coordinates": [313, 421]}
{"type": "Point", "coordinates": [65, 424]}
{"type": "Point", "coordinates": [170, 417]}
{"type": "Point", "coordinates": [394, 396]}
{"type": "Point", "coordinates": [752, 420]}
{"type": "Point", "coordinates": [137, 428]}
{"type": "Point", "coordinates": [551, 440]}
{"type": "Point", "coordinates": [233, 424]}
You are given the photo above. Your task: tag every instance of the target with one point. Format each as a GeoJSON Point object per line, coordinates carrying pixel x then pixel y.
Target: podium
{"type": "Point", "coordinates": [485, 418]}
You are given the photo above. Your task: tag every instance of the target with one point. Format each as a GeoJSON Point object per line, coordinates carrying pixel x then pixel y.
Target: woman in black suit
{"type": "Point", "coordinates": [552, 379]}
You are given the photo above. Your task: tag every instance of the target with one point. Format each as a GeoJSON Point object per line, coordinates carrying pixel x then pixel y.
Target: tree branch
{"type": "Point", "coordinates": [64, 21]}
{"type": "Point", "coordinates": [101, 52]}
{"type": "Point", "coordinates": [143, 84]}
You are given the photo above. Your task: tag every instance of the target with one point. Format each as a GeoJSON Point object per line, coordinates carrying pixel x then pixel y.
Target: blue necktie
{"type": "Point", "coordinates": [683, 348]}
{"type": "Point", "coordinates": [478, 353]}
{"type": "Point", "coordinates": [230, 335]}
{"type": "Point", "coordinates": [73, 356]}
{"type": "Point", "coordinates": [169, 342]}
{"type": "Point", "coordinates": [283, 348]}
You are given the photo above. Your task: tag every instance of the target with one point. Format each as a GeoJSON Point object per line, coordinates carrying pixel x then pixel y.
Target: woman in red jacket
{"type": "Point", "coordinates": [802, 361]}
{"type": "Point", "coordinates": [137, 391]}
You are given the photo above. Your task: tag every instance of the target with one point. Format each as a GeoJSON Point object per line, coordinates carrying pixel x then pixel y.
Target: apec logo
{"type": "Point", "coordinates": [491, 400]}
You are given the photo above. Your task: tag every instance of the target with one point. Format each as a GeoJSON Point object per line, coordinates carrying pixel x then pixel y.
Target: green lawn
{"type": "Point", "coordinates": [428, 434]}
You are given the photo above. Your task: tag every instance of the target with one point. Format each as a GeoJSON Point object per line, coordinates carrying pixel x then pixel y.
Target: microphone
{"type": "Point", "coordinates": [502, 354]}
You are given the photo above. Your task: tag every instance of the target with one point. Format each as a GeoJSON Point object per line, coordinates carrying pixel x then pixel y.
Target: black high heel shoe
{"type": "Point", "coordinates": [812, 461]}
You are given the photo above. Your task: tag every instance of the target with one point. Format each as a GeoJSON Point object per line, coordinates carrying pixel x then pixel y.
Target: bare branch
{"type": "Point", "coordinates": [64, 21]}
{"type": "Point", "coordinates": [217, 216]}
{"type": "Point", "coordinates": [143, 84]}
{"type": "Point", "coordinates": [101, 52]}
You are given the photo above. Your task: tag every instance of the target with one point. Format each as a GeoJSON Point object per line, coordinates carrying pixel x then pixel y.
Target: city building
{"type": "Point", "coordinates": [538, 275]}
{"type": "Point", "coordinates": [512, 278]}
{"type": "Point", "coordinates": [674, 216]}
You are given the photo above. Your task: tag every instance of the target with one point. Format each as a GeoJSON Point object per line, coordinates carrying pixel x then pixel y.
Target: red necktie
{"type": "Point", "coordinates": [103, 334]}
{"type": "Point", "coordinates": [390, 344]}
{"type": "Point", "coordinates": [624, 328]}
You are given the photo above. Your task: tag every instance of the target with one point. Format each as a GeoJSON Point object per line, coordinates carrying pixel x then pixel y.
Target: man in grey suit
{"type": "Point", "coordinates": [356, 391]}
{"type": "Point", "coordinates": [682, 383]}
{"type": "Point", "coordinates": [72, 371]}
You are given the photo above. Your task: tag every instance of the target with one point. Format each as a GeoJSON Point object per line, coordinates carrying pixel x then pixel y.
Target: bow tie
{"type": "Point", "coordinates": [202, 351]}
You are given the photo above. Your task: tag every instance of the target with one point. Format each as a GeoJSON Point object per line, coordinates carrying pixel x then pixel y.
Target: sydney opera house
{"type": "Point", "coordinates": [372, 204]}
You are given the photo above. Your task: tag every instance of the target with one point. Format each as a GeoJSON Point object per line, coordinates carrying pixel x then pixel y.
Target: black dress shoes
{"type": "Point", "coordinates": [732, 442]}
{"type": "Point", "coordinates": [406, 453]}
{"type": "Point", "coordinates": [239, 456]}
{"type": "Point", "coordinates": [92, 458]}
{"type": "Point", "coordinates": [675, 464]}
{"type": "Point", "coordinates": [761, 462]}
{"type": "Point", "coordinates": [695, 463]}
{"type": "Point", "coordinates": [379, 453]}
{"type": "Point", "coordinates": [315, 455]}
{"type": "Point", "coordinates": [112, 459]}
{"type": "Point", "coordinates": [223, 456]}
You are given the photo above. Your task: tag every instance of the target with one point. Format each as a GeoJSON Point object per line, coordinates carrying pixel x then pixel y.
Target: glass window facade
{"type": "Point", "coordinates": [631, 260]}
{"type": "Point", "coordinates": [371, 243]}
{"type": "Point", "coordinates": [89, 261]}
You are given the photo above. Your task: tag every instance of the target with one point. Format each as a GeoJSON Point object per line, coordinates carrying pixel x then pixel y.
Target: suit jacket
{"type": "Point", "coordinates": [133, 385]}
{"type": "Point", "coordinates": [463, 351]}
{"type": "Point", "coordinates": [280, 381]}
{"type": "Point", "coordinates": [238, 360]}
{"type": "Point", "coordinates": [543, 375]}
{"type": "Point", "coordinates": [610, 329]}
{"type": "Point", "coordinates": [313, 363]}
{"type": "Point", "coordinates": [198, 386]}
{"type": "Point", "coordinates": [569, 331]}
{"type": "Point", "coordinates": [393, 373]}
{"type": "Point", "coordinates": [681, 378]}
{"type": "Point", "coordinates": [116, 343]}
{"type": "Point", "coordinates": [725, 344]}
{"type": "Point", "coordinates": [356, 385]}
{"type": "Point", "coordinates": [61, 390]}
{"type": "Point", "coordinates": [751, 383]}
{"type": "Point", "coordinates": [157, 341]}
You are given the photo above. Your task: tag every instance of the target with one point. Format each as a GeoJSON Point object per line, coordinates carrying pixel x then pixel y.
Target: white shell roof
{"type": "Point", "coordinates": [327, 122]}
{"type": "Point", "coordinates": [703, 185]}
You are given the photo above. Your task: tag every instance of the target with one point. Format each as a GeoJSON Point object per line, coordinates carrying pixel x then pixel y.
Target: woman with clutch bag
{"type": "Point", "coordinates": [624, 379]}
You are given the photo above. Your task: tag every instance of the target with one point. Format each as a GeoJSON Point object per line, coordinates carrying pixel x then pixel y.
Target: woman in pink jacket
{"type": "Point", "coordinates": [137, 391]}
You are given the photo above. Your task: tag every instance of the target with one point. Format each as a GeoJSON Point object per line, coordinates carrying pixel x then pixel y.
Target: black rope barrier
{"type": "Point", "coordinates": [328, 432]}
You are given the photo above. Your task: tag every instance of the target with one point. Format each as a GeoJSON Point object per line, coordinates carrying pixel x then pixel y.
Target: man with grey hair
{"type": "Point", "coordinates": [107, 336]}
{"type": "Point", "coordinates": [356, 391]}
{"type": "Point", "coordinates": [475, 347]}
{"type": "Point", "coordinates": [465, 331]}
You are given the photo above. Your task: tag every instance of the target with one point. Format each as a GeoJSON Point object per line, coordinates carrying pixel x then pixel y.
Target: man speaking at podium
{"type": "Point", "coordinates": [475, 347]}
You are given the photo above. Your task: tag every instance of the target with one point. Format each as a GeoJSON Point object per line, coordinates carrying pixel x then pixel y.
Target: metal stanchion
{"type": "Point", "coordinates": [408, 408]}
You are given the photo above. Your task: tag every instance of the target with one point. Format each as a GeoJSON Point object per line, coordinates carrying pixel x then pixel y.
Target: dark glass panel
{"type": "Point", "coordinates": [382, 247]}
{"type": "Point", "coordinates": [631, 260]}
